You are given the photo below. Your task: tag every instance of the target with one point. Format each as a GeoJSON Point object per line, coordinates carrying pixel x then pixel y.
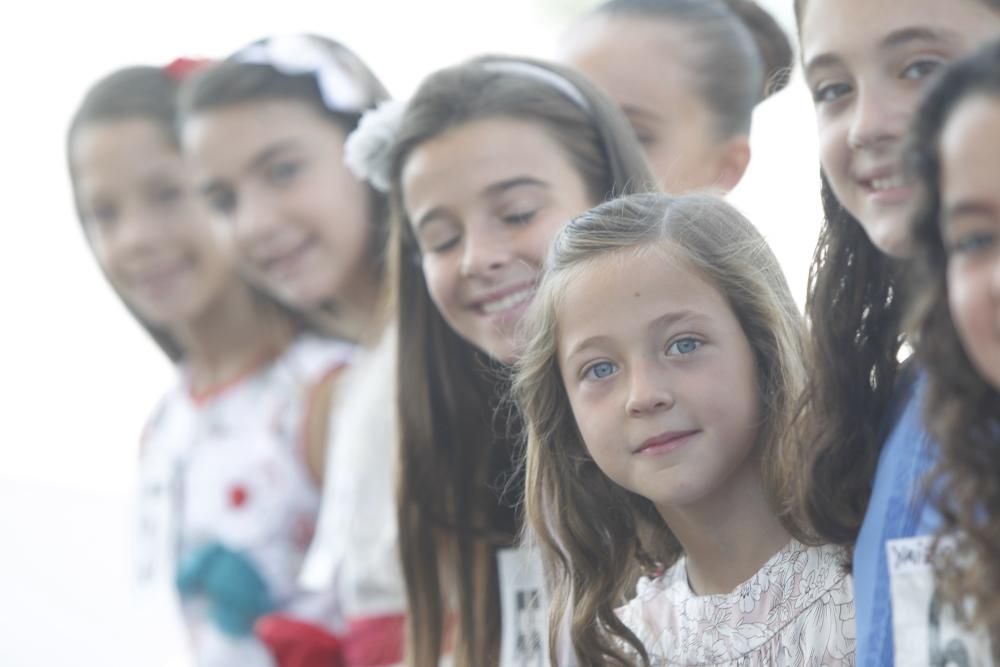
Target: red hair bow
{"type": "Point", "coordinates": [181, 68]}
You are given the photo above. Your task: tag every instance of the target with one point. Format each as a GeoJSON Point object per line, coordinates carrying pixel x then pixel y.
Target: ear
{"type": "Point", "coordinates": [733, 161]}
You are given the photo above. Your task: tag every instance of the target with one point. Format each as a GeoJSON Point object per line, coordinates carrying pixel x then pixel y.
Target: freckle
{"type": "Point", "coordinates": [636, 295]}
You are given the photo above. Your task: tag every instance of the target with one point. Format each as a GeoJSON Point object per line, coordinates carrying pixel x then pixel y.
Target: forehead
{"type": "Point", "coordinates": [970, 146]}
{"type": "Point", "coordinates": [613, 49]}
{"type": "Point", "coordinates": [843, 27]}
{"type": "Point", "coordinates": [117, 152]}
{"type": "Point", "coordinates": [624, 290]}
{"type": "Point", "coordinates": [462, 161]}
{"type": "Point", "coordinates": [235, 130]}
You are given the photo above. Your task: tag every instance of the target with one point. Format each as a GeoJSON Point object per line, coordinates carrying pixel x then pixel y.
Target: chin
{"type": "Point", "coordinates": [890, 235]}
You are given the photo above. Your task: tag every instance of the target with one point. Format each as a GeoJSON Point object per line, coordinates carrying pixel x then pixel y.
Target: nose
{"type": "Point", "coordinates": [878, 119]}
{"type": "Point", "coordinates": [649, 391]}
{"type": "Point", "coordinates": [483, 252]}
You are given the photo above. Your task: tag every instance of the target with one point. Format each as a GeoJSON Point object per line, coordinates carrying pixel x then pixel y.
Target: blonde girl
{"type": "Point", "coordinates": [658, 381]}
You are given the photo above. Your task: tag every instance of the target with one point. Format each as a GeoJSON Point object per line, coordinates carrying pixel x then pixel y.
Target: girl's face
{"type": "Point", "coordinates": [867, 63]}
{"type": "Point", "coordinates": [970, 227]}
{"type": "Point", "coordinates": [147, 227]}
{"type": "Point", "coordinates": [273, 173]}
{"type": "Point", "coordinates": [485, 200]}
{"type": "Point", "coordinates": [660, 376]}
{"type": "Point", "coordinates": [670, 118]}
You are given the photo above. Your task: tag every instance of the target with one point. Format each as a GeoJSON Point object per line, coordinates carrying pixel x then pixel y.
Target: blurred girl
{"type": "Point", "coordinates": [488, 161]}
{"type": "Point", "coordinates": [957, 146]}
{"type": "Point", "coordinates": [706, 64]}
{"type": "Point", "coordinates": [660, 375]}
{"type": "Point", "coordinates": [866, 63]}
{"type": "Point", "coordinates": [266, 131]}
{"type": "Point", "coordinates": [228, 498]}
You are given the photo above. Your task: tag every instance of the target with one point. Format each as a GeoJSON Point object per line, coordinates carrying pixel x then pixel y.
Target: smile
{"type": "Point", "coordinates": [506, 302]}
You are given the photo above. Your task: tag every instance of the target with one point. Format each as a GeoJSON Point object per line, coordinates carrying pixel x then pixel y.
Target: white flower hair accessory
{"type": "Point", "coordinates": [368, 149]}
{"type": "Point", "coordinates": [300, 54]}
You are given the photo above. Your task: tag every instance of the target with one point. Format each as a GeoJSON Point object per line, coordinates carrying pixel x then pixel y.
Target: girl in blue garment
{"type": "Point", "coordinates": [867, 63]}
{"type": "Point", "coordinates": [957, 161]}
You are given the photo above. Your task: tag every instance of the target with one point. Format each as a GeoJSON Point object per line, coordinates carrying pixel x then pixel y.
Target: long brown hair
{"type": "Point", "coordinates": [596, 535]}
{"type": "Point", "coordinates": [456, 449]}
{"type": "Point", "coordinates": [962, 409]}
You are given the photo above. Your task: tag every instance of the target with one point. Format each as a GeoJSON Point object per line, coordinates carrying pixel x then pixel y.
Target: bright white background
{"type": "Point", "coordinates": [78, 377]}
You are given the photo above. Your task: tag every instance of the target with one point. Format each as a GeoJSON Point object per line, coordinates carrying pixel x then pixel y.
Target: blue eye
{"type": "Point", "coordinates": [683, 346]}
{"type": "Point", "coordinates": [920, 69]}
{"type": "Point", "coordinates": [600, 370]}
{"type": "Point", "coordinates": [519, 218]}
{"type": "Point", "coordinates": [971, 243]}
{"type": "Point", "coordinates": [282, 173]}
{"type": "Point", "coordinates": [830, 93]}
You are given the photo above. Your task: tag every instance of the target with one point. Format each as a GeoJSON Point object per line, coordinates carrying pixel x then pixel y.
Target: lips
{"type": "Point", "coordinates": [884, 182]}
{"type": "Point", "coordinates": [287, 260]}
{"type": "Point", "coordinates": [160, 278]}
{"type": "Point", "coordinates": [665, 442]}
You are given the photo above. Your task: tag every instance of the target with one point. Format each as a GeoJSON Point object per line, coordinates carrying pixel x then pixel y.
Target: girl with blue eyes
{"type": "Point", "coordinates": [867, 63]}
{"type": "Point", "coordinates": [659, 377]}
{"type": "Point", "coordinates": [226, 494]}
{"type": "Point", "coordinates": [265, 131]}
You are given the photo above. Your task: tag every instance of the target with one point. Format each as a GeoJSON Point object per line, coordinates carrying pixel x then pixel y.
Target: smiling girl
{"type": "Point", "coordinates": [660, 375]}
{"type": "Point", "coordinates": [490, 159]}
{"type": "Point", "coordinates": [227, 501]}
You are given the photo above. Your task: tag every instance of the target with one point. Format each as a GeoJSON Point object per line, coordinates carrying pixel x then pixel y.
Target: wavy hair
{"type": "Point", "coordinates": [962, 409]}
{"type": "Point", "coordinates": [596, 536]}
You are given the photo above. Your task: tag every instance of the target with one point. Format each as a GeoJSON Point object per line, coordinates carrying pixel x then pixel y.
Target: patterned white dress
{"type": "Point", "coordinates": [797, 610]}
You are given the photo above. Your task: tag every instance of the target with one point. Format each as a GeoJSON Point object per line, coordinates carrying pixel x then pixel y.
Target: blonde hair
{"type": "Point", "coordinates": [596, 537]}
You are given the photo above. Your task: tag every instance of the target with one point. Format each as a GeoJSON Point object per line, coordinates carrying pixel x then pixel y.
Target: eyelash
{"type": "Point", "coordinates": [520, 218]}
{"type": "Point", "coordinates": [821, 95]}
{"type": "Point", "coordinates": [931, 65]}
{"type": "Point", "coordinates": [971, 243]}
{"type": "Point", "coordinates": [588, 372]}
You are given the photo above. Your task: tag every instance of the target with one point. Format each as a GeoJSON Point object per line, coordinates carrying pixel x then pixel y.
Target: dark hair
{"type": "Point", "coordinates": [855, 306]}
{"type": "Point", "coordinates": [140, 92]}
{"type": "Point", "coordinates": [737, 52]}
{"type": "Point", "coordinates": [962, 409]}
{"type": "Point", "coordinates": [234, 81]}
{"type": "Point", "coordinates": [455, 447]}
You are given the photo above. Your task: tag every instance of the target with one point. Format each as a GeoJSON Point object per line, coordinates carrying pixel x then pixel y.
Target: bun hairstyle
{"type": "Point", "coordinates": [737, 53]}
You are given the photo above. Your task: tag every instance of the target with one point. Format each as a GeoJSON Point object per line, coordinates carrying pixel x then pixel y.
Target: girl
{"type": "Point", "coordinates": [957, 151]}
{"type": "Point", "coordinates": [227, 501]}
{"type": "Point", "coordinates": [637, 455]}
{"type": "Point", "coordinates": [712, 62]}
{"type": "Point", "coordinates": [866, 63]}
{"type": "Point", "coordinates": [489, 160]}
{"type": "Point", "coordinates": [266, 131]}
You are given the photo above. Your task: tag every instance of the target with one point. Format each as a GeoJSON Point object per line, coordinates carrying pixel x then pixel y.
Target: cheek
{"type": "Point", "coordinates": [968, 302]}
{"type": "Point", "coordinates": [440, 279]}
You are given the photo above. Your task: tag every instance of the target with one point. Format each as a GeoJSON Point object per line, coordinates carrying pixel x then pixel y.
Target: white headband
{"type": "Point", "coordinates": [300, 54]}
{"type": "Point", "coordinates": [546, 76]}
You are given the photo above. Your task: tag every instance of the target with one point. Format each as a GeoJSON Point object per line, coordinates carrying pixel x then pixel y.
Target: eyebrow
{"type": "Point", "coordinates": [632, 111]}
{"type": "Point", "coordinates": [661, 322]}
{"type": "Point", "coordinates": [893, 40]}
{"type": "Point", "coordinates": [492, 190]}
{"type": "Point", "coordinates": [967, 208]}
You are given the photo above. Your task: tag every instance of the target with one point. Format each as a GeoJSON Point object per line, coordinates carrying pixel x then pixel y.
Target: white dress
{"type": "Point", "coordinates": [229, 469]}
{"type": "Point", "coordinates": [797, 610]}
{"type": "Point", "coordinates": [356, 549]}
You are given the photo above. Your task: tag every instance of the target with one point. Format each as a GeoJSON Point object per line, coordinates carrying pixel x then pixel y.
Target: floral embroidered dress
{"type": "Point", "coordinates": [796, 610]}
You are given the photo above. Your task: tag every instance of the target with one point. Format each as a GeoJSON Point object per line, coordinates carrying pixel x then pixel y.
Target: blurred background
{"type": "Point", "coordinates": [79, 377]}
